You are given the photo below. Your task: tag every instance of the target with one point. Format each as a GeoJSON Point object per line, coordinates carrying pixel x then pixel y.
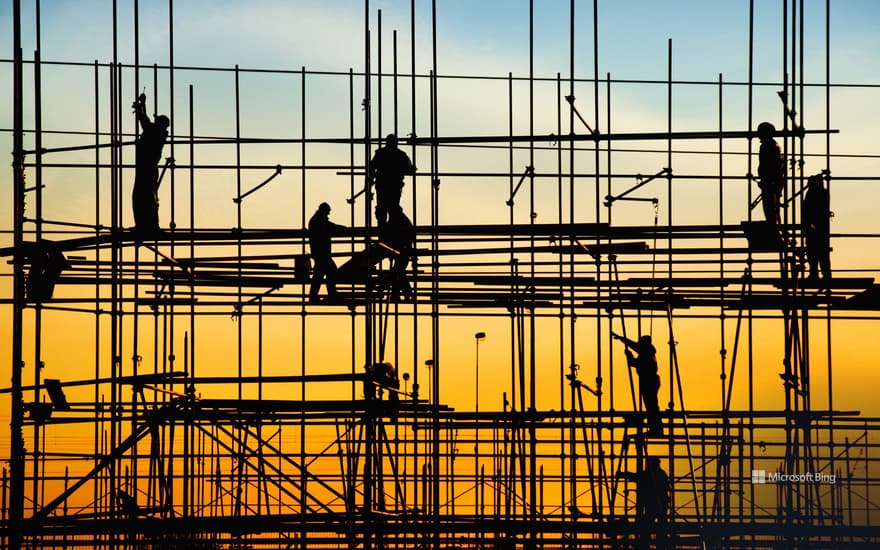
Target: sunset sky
{"type": "Point", "coordinates": [474, 39]}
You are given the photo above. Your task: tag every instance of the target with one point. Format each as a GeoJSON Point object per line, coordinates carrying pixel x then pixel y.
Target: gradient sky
{"type": "Point", "coordinates": [474, 39]}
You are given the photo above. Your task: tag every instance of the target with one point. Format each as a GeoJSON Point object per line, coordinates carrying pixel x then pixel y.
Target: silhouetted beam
{"type": "Point", "coordinates": [526, 304]}
{"type": "Point", "coordinates": [778, 302]}
{"type": "Point", "coordinates": [165, 301]}
{"type": "Point", "coordinates": [842, 283]}
{"type": "Point", "coordinates": [595, 136]}
{"type": "Point", "coordinates": [137, 380]}
{"type": "Point", "coordinates": [834, 283]}
{"type": "Point", "coordinates": [520, 280]}
{"type": "Point", "coordinates": [207, 406]}
{"type": "Point", "coordinates": [676, 282]}
{"type": "Point", "coordinates": [869, 300]}
{"type": "Point", "coordinates": [602, 248]}
{"type": "Point", "coordinates": [183, 279]}
{"type": "Point", "coordinates": [581, 231]}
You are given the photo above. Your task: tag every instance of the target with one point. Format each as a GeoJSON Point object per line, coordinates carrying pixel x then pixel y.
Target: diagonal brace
{"type": "Point", "coordinates": [530, 171]}
{"type": "Point", "coordinates": [609, 199]}
{"type": "Point", "coordinates": [570, 100]}
{"type": "Point", "coordinates": [240, 198]}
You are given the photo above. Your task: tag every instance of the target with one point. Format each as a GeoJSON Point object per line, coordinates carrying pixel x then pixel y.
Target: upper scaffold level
{"type": "Point", "coordinates": [536, 266]}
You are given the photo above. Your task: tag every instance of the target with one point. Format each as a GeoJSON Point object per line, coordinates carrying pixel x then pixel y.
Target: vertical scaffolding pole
{"type": "Point", "coordinates": [136, 286]}
{"type": "Point", "coordinates": [560, 273]}
{"type": "Point", "coordinates": [597, 484]}
{"type": "Point", "coordinates": [722, 505]}
{"type": "Point", "coordinates": [238, 243]}
{"type": "Point", "coordinates": [190, 350]}
{"type": "Point", "coordinates": [17, 450]}
{"type": "Point", "coordinates": [368, 308]}
{"type": "Point", "coordinates": [533, 466]}
{"type": "Point", "coordinates": [117, 313]}
{"type": "Point", "coordinates": [672, 372]}
{"type": "Point", "coordinates": [97, 273]}
{"type": "Point", "coordinates": [415, 259]}
{"type": "Point", "coordinates": [827, 90]}
{"type": "Point", "coordinates": [573, 504]}
{"type": "Point", "coordinates": [303, 480]}
{"type": "Point", "coordinates": [38, 230]}
{"type": "Point", "coordinates": [435, 266]}
{"type": "Point", "coordinates": [749, 260]}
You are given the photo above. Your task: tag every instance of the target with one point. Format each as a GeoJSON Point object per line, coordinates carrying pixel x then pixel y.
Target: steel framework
{"type": "Point", "coordinates": [149, 452]}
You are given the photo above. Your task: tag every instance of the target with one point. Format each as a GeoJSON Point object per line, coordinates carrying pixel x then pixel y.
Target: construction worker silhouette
{"type": "Point", "coordinates": [399, 234]}
{"type": "Point", "coordinates": [148, 153]}
{"type": "Point", "coordinates": [771, 173]}
{"type": "Point", "coordinates": [815, 220]}
{"type": "Point", "coordinates": [47, 263]}
{"type": "Point", "coordinates": [652, 490]}
{"type": "Point", "coordinates": [387, 170]}
{"type": "Point", "coordinates": [321, 230]}
{"type": "Point", "coordinates": [652, 499]}
{"type": "Point", "coordinates": [645, 364]}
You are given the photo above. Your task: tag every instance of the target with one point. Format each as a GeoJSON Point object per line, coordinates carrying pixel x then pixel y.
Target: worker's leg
{"type": "Point", "coordinates": [767, 207]}
{"type": "Point", "coordinates": [317, 279]}
{"type": "Point", "coordinates": [825, 256]}
{"type": "Point", "coordinates": [330, 271]}
{"type": "Point", "coordinates": [649, 390]}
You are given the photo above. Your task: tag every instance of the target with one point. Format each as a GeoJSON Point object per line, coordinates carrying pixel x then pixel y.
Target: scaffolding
{"type": "Point", "coordinates": [158, 446]}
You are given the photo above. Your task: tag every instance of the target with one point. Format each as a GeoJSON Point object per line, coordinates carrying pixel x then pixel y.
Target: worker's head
{"type": "Point", "coordinates": [391, 140]}
{"type": "Point", "coordinates": [766, 130]}
{"type": "Point", "coordinates": [162, 121]}
{"type": "Point", "coordinates": [815, 181]}
{"type": "Point", "coordinates": [645, 340]}
{"type": "Point", "coordinates": [324, 208]}
{"type": "Point", "coordinates": [653, 462]}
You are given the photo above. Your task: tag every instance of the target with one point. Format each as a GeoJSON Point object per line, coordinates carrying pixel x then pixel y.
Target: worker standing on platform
{"type": "Point", "coordinates": [645, 364]}
{"type": "Point", "coordinates": [652, 499]}
{"type": "Point", "coordinates": [400, 235]}
{"type": "Point", "coordinates": [321, 230]}
{"type": "Point", "coordinates": [148, 153]}
{"type": "Point", "coordinates": [387, 170]}
{"type": "Point", "coordinates": [815, 219]}
{"type": "Point", "coordinates": [771, 173]}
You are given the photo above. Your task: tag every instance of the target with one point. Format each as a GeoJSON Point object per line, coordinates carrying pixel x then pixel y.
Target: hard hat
{"type": "Point", "coordinates": [766, 129]}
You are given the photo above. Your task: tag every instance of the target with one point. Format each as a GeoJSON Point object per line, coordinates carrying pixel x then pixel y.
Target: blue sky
{"type": "Point", "coordinates": [708, 36]}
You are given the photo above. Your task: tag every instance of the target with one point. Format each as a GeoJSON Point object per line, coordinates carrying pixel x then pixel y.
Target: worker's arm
{"type": "Point", "coordinates": [631, 476]}
{"type": "Point", "coordinates": [626, 341]}
{"type": "Point", "coordinates": [140, 109]}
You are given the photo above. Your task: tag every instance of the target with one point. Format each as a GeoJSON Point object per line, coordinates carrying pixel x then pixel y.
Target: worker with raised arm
{"type": "Point", "coordinates": [148, 153]}
{"type": "Point", "coordinates": [645, 363]}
